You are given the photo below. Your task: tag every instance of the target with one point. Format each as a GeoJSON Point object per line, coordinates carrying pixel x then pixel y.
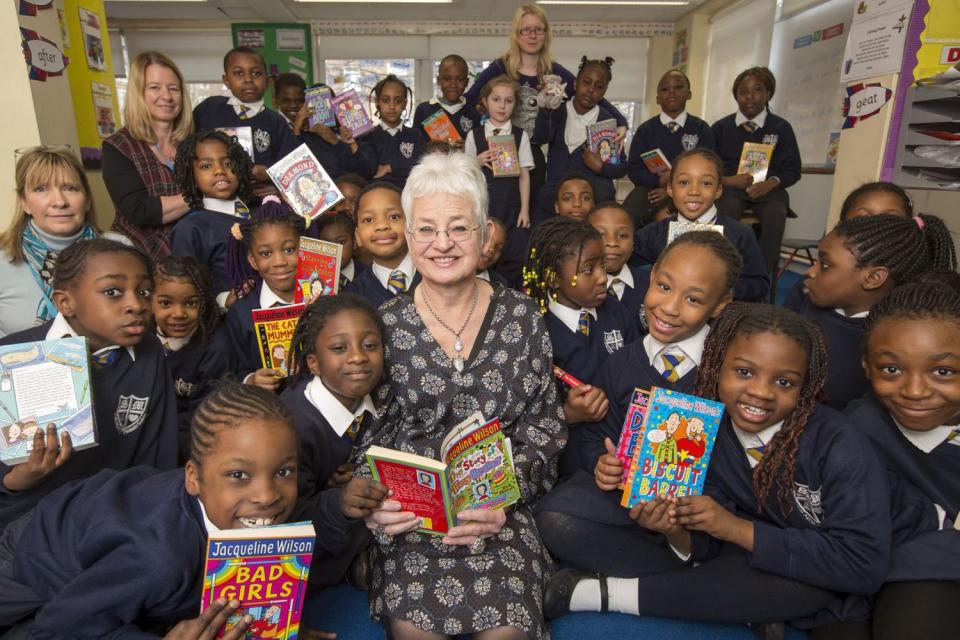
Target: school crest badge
{"type": "Point", "coordinates": [770, 139]}
{"type": "Point", "coordinates": [130, 414]}
{"type": "Point", "coordinates": [183, 388]}
{"type": "Point", "coordinates": [466, 124]}
{"type": "Point", "coordinates": [406, 149]}
{"type": "Point", "coordinates": [261, 140]}
{"type": "Point", "coordinates": [808, 500]}
{"type": "Point", "coordinates": [643, 318]}
{"type": "Point", "coordinates": [613, 340]}
{"type": "Point", "coordinates": [689, 141]}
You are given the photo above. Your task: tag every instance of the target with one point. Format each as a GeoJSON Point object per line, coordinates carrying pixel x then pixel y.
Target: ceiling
{"type": "Point", "coordinates": [290, 11]}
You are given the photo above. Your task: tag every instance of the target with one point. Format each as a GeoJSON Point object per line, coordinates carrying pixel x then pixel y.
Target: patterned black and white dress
{"type": "Point", "coordinates": [414, 577]}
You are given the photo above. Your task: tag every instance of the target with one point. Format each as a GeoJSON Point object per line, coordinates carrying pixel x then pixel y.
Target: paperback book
{"type": "Point", "coordinates": [244, 136]}
{"type": "Point", "coordinates": [41, 383]}
{"type": "Point", "coordinates": [274, 329]}
{"type": "Point", "coordinates": [319, 98]}
{"type": "Point", "coordinates": [506, 160]}
{"type": "Point", "coordinates": [655, 161]}
{"type": "Point", "coordinates": [265, 569]}
{"type": "Point", "coordinates": [681, 226]}
{"type": "Point", "coordinates": [755, 160]}
{"type": "Point", "coordinates": [304, 183]}
{"type": "Point", "coordinates": [671, 458]}
{"type": "Point", "coordinates": [318, 268]}
{"type": "Point", "coordinates": [632, 431]}
{"type": "Point", "coordinates": [602, 138]}
{"type": "Point", "coordinates": [439, 127]}
{"type": "Point", "coordinates": [351, 114]}
{"type": "Point", "coordinates": [476, 473]}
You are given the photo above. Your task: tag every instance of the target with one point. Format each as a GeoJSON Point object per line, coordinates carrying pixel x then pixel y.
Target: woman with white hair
{"type": "Point", "coordinates": [458, 346]}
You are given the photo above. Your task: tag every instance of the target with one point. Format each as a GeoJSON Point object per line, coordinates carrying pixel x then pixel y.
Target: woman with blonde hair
{"type": "Point", "coordinates": [138, 159]}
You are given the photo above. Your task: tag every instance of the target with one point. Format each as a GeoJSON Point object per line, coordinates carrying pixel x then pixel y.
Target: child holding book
{"type": "Point", "coordinates": [753, 122]}
{"type": "Point", "coordinates": [911, 416]}
{"type": "Point", "coordinates": [381, 233]}
{"type": "Point", "coordinates": [877, 198]}
{"type": "Point", "coordinates": [102, 292]}
{"type": "Point", "coordinates": [858, 264]}
{"type": "Point", "coordinates": [289, 96]}
{"type": "Point", "coordinates": [690, 285]}
{"type": "Point", "coordinates": [565, 130]}
{"type": "Point", "coordinates": [78, 565]}
{"type": "Point", "coordinates": [334, 147]}
{"type": "Point", "coordinates": [574, 196]}
{"type": "Point", "coordinates": [245, 75]}
{"type": "Point", "coordinates": [490, 254]}
{"type": "Point", "coordinates": [695, 186]}
{"type": "Point", "coordinates": [671, 132]}
{"type": "Point", "coordinates": [509, 195]}
{"type": "Point", "coordinates": [187, 325]}
{"type": "Point", "coordinates": [564, 274]}
{"type": "Point", "coordinates": [628, 284]}
{"type": "Point", "coordinates": [263, 261]}
{"type": "Point", "coordinates": [452, 80]}
{"type": "Point", "coordinates": [393, 146]}
{"type": "Point", "coordinates": [213, 173]}
{"type": "Point", "coordinates": [338, 226]}
{"type": "Point", "coordinates": [794, 521]}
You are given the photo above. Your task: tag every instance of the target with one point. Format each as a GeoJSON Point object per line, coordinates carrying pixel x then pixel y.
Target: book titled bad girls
{"type": "Point", "coordinates": [671, 459]}
{"type": "Point", "coordinates": [318, 268]}
{"type": "Point", "coordinates": [476, 473]}
{"type": "Point", "coordinates": [351, 114]}
{"type": "Point", "coordinates": [602, 138]}
{"type": "Point", "coordinates": [265, 569]}
{"type": "Point", "coordinates": [319, 98]}
{"type": "Point", "coordinates": [506, 160]}
{"type": "Point", "coordinates": [632, 431]}
{"type": "Point", "coordinates": [305, 184]}
{"type": "Point", "coordinates": [439, 127]}
{"type": "Point", "coordinates": [274, 329]}
{"type": "Point", "coordinates": [755, 160]}
{"type": "Point", "coordinates": [41, 383]}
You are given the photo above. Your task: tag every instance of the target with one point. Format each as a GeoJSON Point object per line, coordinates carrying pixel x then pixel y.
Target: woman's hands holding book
{"type": "Point", "coordinates": [478, 524]}
{"type": "Point", "coordinates": [389, 518]}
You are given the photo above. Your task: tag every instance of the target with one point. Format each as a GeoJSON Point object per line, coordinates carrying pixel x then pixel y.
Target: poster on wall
{"type": "Point", "coordinates": [103, 109]}
{"type": "Point", "coordinates": [286, 48]}
{"type": "Point", "coordinates": [44, 58]}
{"type": "Point", "coordinates": [93, 40]}
{"type": "Point", "coordinates": [875, 45]}
{"type": "Point", "coordinates": [863, 101]}
{"type": "Point", "coordinates": [30, 7]}
{"type": "Point", "coordinates": [938, 59]}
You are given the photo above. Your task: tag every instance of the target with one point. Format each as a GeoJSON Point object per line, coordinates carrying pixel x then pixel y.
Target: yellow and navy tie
{"type": "Point", "coordinates": [244, 112]}
{"type": "Point", "coordinates": [673, 126]}
{"type": "Point", "coordinates": [241, 209]}
{"type": "Point", "coordinates": [670, 364]}
{"type": "Point", "coordinates": [749, 126]}
{"type": "Point", "coordinates": [354, 430]}
{"type": "Point", "coordinates": [756, 452]}
{"type": "Point", "coordinates": [952, 437]}
{"type": "Point", "coordinates": [397, 281]}
{"type": "Point", "coordinates": [105, 359]}
{"type": "Point", "coordinates": [583, 325]}
{"type": "Point", "coordinates": [612, 286]}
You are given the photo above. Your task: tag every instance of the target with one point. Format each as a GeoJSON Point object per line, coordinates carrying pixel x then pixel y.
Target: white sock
{"type": "Point", "coordinates": [623, 595]}
{"type": "Point", "coordinates": [586, 596]}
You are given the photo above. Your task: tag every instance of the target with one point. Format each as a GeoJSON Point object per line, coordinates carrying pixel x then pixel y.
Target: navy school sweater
{"type": "Point", "coordinates": [505, 190]}
{"type": "Point", "coordinates": [846, 380]}
{"type": "Point", "coordinates": [366, 285]}
{"type": "Point", "coordinates": [785, 162]}
{"type": "Point", "coordinates": [272, 136]}
{"type": "Point", "coordinates": [205, 235]}
{"type": "Point", "coordinates": [653, 134]}
{"type": "Point", "coordinates": [754, 283]}
{"type": "Point", "coordinates": [400, 151]}
{"type": "Point", "coordinates": [632, 299]}
{"type": "Point", "coordinates": [135, 411]}
{"type": "Point", "coordinates": [463, 120]}
{"type": "Point", "coordinates": [337, 159]}
{"type": "Point", "coordinates": [123, 552]}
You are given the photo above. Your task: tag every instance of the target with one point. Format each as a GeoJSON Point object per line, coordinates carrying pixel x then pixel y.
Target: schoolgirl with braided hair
{"type": "Point", "coordinates": [565, 130]}
{"type": "Point", "coordinates": [262, 269]}
{"type": "Point", "coordinates": [393, 148]}
{"type": "Point", "coordinates": [794, 521]}
{"type": "Point", "coordinates": [859, 262]}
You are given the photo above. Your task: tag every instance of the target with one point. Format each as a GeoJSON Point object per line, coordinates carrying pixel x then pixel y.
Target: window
{"type": "Point", "coordinates": [363, 75]}
{"type": "Point", "coordinates": [630, 111]}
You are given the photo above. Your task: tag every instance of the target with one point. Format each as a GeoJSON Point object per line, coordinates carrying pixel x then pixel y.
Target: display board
{"type": "Point", "coordinates": [286, 48]}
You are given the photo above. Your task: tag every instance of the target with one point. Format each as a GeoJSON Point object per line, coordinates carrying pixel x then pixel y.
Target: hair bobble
{"type": "Point", "coordinates": [919, 221]}
{"type": "Point", "coordinates": [236, 232]}
{"type": "Point", "coordinates": [271, 198]}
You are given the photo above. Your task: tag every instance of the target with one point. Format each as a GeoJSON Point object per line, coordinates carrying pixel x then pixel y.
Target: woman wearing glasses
{"type": "Point", "coordinates": [458, 346]}
{"type": "Point", "coordinates": [527, 61]}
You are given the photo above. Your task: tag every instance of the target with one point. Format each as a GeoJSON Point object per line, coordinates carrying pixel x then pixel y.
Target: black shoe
{"type": "Point", "coordinates": [560, 586]}
{"type": "Point", "coordinates": [358, 575]}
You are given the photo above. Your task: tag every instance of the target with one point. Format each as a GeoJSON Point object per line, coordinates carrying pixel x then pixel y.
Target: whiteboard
{"type": "Point", "coordinates": [805, 57]}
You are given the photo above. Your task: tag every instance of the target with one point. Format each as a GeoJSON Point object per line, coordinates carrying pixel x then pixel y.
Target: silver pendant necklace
{"type": "Point", "coordinates": [458, 345]}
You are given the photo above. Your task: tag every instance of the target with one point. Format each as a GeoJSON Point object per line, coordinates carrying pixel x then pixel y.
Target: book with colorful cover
{"type": "Point", "coordinates": [304, 183]}
{"type": "Point", "coordinates": [755, 160]}
{"type": "Point", "coordinates": [265, 569]}
{"type": "Point", "coordinates": [671, 459]}
{"type": "Point", "coordinates": [318, 268]}
{"type": "Point", "coordinates": [506, 160]}
{"type": "Point", "coordinates": [244, 136]}
{"type": "Point", "coordinates": [476, 473]}
{"type": "Point", "coordinates": [41, 383]}
{"type": "Point", "coordinates": [351, 114]}
{"type": "Point", "coordinates": [632, 431]}
{"type": "Point", "coordinates": [655, 161]}
{"type": "Point", "coordinates": [602, 138]}
{"type": "Point", "coordinates": [439, 127]}
{"type": "Point", "coordinates": [319, 98]}
{"type": "Point", "coordinates": [274, 329]}
{"type": "Point", "coordinates": [682, 225]}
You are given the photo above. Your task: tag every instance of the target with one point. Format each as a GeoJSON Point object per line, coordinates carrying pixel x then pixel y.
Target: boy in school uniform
{"type": "Point", "coordinates": [338, 226]}
{"type": "Point", "coordinates": [491, 253]}
{"type": "Point", "coordinates": [626, 283]}
{"type": "Point", "coordinates": [244, 73]}
{"type": "Point", "coordinates": [452, 80]}
{"type": "Point", "coordinates": [289, 96]}
{"type": "Point", "coordinates": [673, 131]}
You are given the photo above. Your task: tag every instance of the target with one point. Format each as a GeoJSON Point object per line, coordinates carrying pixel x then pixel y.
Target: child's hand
{"type": "Point", "coordinates": [346, 137]}
{"type": "Point", "coordinates": [758, 190]}
{"type": "Point", "coordinates": [259, 173]}
{"type": "Point", "coordinates": [703, 513]}
{"type": "Point", "coordinates": [592, 160]}
{"type": "Point", "coordinates": [208, 624]}
{"type": "Point", "coordinates": [391, 519]}
{"type": "Point", "coordinates": [382, 170]}
{"type": "Point", "coordinates": [740, 181]}
{"type": "Point", "coordinates": [585, 403]}
{"type": "Point", "coordinates": [268, 379]}
{"type": "Point", "coordinates": [302, 116]}
{"type": "Point", "coordinates": [523, 219]}
{"type": "Point", "coordinates": [47, 454]}
{"type": "Point", "coordinates": [621, 136]}
{"type": "Point", "coordinates": [341, 476]}
{"type": "Point", "coordinates": [655, 515]}
{"type": "Point", "coordinates": [326, 133]}
{"type": "Point", "coordinates": [609, 469]}
{"type": "Point", "coordinates": [361, 497]}
{"type": "Point", "coordinates": [664, 179]}
{"type": "Point", "coordinates": [486, 158]}
{"type": "Point", "coordinates": [656, 195]}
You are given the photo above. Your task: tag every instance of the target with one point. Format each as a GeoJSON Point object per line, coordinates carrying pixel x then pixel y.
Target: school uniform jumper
{"type": "Point", "coordinates": [630, 286]}
{"type": "Point", "coordinates": [399, 148]}
{"type": "Point", "coordinates": [337, 159]}
{"type": "Point", "coordinates": [205, 235]}
{"type": "Point", "coordinates": [369, 285]}
{"type": "Point", "coordinates": [272, 136]}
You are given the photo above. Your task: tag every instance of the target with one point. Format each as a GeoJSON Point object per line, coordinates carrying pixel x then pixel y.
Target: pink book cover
{"type": "Point", "coordinates": [632, 432]}
{"type": "Point", "coordinates": [351, 113]}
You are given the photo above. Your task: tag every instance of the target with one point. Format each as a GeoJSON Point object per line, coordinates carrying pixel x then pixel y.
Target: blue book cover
{"type": "Point", "coordinates": [319, 99]}
{"type": "Point", "coordinates": [678, 437]}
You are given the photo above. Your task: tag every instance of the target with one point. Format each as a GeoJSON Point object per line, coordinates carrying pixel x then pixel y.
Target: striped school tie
{"type": "Point", "coordinates": [749, 126]}
{"type": "Point", "coordinates": [244, 112]}
{"type": "Point", "coordinates": [583, 325]}
{"type": "Point", "coordinates": [954, 437]}
{"type": "Point", "coordinates": [354, 430]}
{"type": "Point", "coordinates": [344, 281]}
{"type": "Point", "coordinates": [241, 209]}
{"type": "Point", "coordinates": [105, 359]}
{"type": "Point", "coordinates": [756, 452]}
{"type": "Point", "coordinates": [612, 286]}
{"type": "Point", "coordinates": [670, 364]}
{"type": "Point", "coordinates": [673, 126]}
{"type": "Point", "coordinates": [397, 281]}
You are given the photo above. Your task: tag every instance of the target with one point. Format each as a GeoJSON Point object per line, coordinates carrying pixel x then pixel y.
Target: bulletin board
{"type": "Point", "coordinates": [286, 48]}
{"type": "Point", "coordinates": [83, 27]}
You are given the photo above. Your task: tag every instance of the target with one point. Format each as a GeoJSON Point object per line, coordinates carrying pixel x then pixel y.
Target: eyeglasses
{"type": "Point", "coordinates": [427, 234]}
{"type": "Point", "coordinates": [532, 31]}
